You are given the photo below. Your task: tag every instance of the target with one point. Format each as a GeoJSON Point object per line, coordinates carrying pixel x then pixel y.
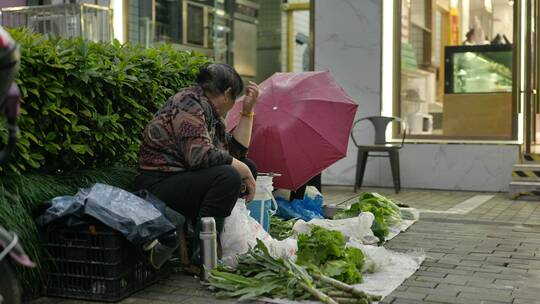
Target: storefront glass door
{"type": "Point", "coordinates": [457, 71]}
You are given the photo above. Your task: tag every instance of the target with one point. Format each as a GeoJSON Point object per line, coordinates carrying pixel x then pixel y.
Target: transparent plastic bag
{"type": "Point", "coordinates": [241, 232]}
{"type": "Point", "coordinates": [355, 228]}
{"type": "Point", "coordinates": [375, 257]}
{"type": "Point", "coordinates": [66, 207]}
{"type": "Point", "coordinates": [137, 219]}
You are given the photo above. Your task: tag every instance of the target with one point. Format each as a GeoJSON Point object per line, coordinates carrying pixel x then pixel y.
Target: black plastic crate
{"type": "Point", "coordinates": [93, 262]}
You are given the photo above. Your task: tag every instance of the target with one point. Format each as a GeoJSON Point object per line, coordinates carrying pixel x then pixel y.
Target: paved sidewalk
{"type": "Point", "coordinates": [490, 254]}
{"type": "Point", "coordinates": [471, 261]}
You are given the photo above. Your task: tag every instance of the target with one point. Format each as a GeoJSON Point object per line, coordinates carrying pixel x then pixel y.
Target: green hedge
{"type": "Point", "coordinates": [84, 107]}
{"type": "Point", "coordinates": [86, 103]}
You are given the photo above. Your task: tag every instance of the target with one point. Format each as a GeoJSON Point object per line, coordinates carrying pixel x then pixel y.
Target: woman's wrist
{"type": "Point", "coordinates": [247, 114]}
{"type": "Point", "coordinates": [247, 111]}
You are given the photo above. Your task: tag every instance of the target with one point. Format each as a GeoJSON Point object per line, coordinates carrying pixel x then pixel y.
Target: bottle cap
{"type": "Point", "coordinates": [208, 224]}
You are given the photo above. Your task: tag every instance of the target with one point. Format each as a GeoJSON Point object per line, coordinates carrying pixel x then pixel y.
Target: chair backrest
{"type": "Point", "coordinates": [380, 123]}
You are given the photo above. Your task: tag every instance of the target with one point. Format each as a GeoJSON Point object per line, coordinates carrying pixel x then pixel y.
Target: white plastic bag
{"type": "Point", "coordinates": [375, 257]}
{"type": "Point", "coordinates": [355, 228]}
{"type": "Point", "coordinates": [312, 192]}
{"type": "Point", "coordinates": [241, 232]}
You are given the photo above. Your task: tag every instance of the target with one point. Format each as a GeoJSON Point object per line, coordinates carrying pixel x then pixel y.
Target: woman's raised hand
{"type": "Point", "coordinates": [251, 97]}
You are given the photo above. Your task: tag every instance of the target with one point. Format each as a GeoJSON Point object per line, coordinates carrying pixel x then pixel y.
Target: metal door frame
{"type": "Point", "coordinates": [530, 68]}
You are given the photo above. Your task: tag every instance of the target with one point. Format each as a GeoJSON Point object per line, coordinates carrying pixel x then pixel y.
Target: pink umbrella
{"type": "Point", "coordinates": [302, 126]}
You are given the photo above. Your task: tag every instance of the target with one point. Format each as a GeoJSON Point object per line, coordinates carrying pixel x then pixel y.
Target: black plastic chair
{"type": "Point", "coordinates": [380, 148]}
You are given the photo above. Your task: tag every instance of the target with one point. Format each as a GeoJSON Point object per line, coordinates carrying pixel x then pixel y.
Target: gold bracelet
{"type": "Point", "coordinates": [247, 114]}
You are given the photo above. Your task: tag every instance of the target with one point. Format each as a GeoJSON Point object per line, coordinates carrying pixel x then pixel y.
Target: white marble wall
{"type": "Point", "coordinates": [453, 166]}
{"type": "Point", "coordinates": [348, 43]}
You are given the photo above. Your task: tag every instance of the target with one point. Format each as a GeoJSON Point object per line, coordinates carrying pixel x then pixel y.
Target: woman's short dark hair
{"type": "Point", "coordinates": [215, 78]}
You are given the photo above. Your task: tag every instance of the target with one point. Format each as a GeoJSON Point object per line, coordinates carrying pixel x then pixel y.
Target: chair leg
{"type": "Point", "coordinates": [360, 168]}
{"type": "Point", "coordinates": [394, 163]}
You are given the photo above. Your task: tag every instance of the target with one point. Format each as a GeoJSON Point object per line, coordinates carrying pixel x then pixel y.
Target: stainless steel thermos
{"type": "Point", "coordinates": [208, 237]}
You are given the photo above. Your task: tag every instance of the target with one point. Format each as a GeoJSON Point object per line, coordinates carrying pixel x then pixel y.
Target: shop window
{"type": "Point", "coordinates": [168, 25]}
{"type": "Point", "coordinates": [456, 69]}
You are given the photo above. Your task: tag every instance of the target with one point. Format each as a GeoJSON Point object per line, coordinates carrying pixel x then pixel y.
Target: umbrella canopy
{"type": "Point", "coordinates": [302, 126]}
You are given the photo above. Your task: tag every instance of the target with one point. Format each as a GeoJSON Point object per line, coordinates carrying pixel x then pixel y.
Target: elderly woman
{"type": "Point", "coordinates": [188, 160]}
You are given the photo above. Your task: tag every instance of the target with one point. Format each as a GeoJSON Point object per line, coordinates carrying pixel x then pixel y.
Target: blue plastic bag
{"type": "Point", "coordinates": [307, 209]}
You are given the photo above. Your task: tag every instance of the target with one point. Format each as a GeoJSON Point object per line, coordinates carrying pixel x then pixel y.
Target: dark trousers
{"type": "Point", "coordinates": [194, 194]}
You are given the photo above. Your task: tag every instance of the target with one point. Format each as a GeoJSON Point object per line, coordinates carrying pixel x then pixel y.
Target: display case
{"type": "Point", "coordinates": [478, 69]}
{"type": "Point", "coordinates": [478, 92]}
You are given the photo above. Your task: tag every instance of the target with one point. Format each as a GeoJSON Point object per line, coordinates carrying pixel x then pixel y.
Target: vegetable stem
{"type": "Point", "coordinates": [340, 294]}
{"type": "Point", "coordinates": [318, 294]}
{"type": "Point", "coordinates": [345, 287]}
{"type": "Point", "coordinates": [352, 301]}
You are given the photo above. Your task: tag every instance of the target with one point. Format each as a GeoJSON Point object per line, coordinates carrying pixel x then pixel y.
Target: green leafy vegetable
{"type": "Point", "coordinates": [322, 245]}
{"type": "Point", "coordinates": [385, 211]}
{"type": "Point", "coordinates": [390, 210]}
{"type": "Point", "coordinates": [281, 229]}
{"type": "Point", "coordinates": [342, 270]}
{"type": "Point", "coordinates": [356, 256]}
{"type": "Point", "coordinates": [379, 226]}
{"type": "Point", "coordinates": [324, 251]}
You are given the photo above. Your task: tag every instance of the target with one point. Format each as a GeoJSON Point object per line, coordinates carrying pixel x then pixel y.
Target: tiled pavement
{"type": "Point", "coordinates": [470, 261]}
{"type": "Point", "coordinates": [489, 255]}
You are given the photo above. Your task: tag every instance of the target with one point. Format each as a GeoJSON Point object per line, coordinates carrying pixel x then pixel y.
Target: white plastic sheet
{"type": "Point", "coordinates": [392, 269]}
{"type": "Point", "coordinates": [394, 231]}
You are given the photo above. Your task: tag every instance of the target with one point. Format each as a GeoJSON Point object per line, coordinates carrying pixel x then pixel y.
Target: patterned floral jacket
{"type": "Point", "coordinates": [187, 134]}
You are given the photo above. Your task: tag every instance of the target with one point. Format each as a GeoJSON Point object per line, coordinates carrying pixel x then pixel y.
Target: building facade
{"type": "Point", "coordinates": [351, 42]}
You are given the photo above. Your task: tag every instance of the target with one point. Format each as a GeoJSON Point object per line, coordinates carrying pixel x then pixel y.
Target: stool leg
{"type": "Point", "coordinates": [394, 163]}
{"type": "Point", "coordinates": [360, 168]}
